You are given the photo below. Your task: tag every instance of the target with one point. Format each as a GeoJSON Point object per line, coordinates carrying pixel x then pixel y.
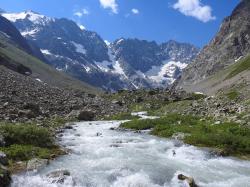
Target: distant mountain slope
{"type": "Point", "coordinates": [20, 61]}
{"type": "Point", "coordinates": [231, 43]}
{"type": "Point", "coordinates": [124, 64]}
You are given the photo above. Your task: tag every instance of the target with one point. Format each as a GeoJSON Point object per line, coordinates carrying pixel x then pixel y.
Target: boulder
{"type": "Point", "coordinates": [3, 159]}
{"type": "Point", "coordinates": [58, 176]}
{"type": "Point", "coordinates": [5, 178]}
{"type": "Point", "coordinates": [37, 164]}
{"type": "Point", "coordinates": [190, 180]}
{"type": "Point", "coordinates": [86, 116]}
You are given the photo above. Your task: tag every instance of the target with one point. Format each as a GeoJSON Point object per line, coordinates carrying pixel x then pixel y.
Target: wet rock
{"type": "Point", "coordinates": [3, 159]}
{"type": "Point", "coordinates": [98, 134]}
{"type": "Point", "coordinates": [37, 164]}
{"type": "Point", "coordinates": [58, 176]}
{"type": "Point", "coordinates": [180, 135]}
{"type": "Point", "coordinates": [5, 178]}
{"type": "Point", "coordinates": [190, 180]}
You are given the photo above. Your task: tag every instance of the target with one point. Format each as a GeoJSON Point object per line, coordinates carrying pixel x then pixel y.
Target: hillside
{"type": "Point", "coordinates": [229, 45]}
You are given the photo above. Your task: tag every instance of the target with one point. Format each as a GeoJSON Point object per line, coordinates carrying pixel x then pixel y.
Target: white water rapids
{"type": "Point", "coordinates": [128, 159]}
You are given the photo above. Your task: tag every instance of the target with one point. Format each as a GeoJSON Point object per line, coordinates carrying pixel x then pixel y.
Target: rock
{"type": "Point", "coordinates": [5, 178]}
{"type": "Point", "coordinates": [3, 159]}
{"type": "Point", "coordinates": [179, 136]}
{"type": "Point", "coordinates": [86, 116]}
{"type": "Point", "coordinates": [217, 122]}
{"type": "Point", "coordinates": [37, 164]}
{"type": "Point", "coordinates": [58, 176]}
{"type": "Point", "coordinates": [2, 142]}
{"type": "Point", "coordinates": [26, 113]}
{"type": "Point", "coordinates": [190, 180]}
{"type": "Point", "coordinates": [116, 102]}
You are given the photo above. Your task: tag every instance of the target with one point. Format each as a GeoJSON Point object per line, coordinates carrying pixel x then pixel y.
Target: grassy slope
{"type": "Point", "coordinates": [239, 67]}
{"type": "Point", "coordinates": [42, 70]}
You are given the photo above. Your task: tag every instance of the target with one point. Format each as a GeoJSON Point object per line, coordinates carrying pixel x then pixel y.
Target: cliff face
{"type": "Point", "coordinates": [230, 43]}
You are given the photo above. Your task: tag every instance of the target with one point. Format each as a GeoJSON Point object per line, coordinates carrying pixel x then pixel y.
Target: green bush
{"type": "Point", "coordinates": [26, 134]}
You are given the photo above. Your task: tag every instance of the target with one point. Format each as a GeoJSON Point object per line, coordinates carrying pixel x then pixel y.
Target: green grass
{"type": "Point", "coordinates": [26, 152]}
{"type": "Point", "coordinates": [122, 116]}
{"type": "Point", "coordinates": [232, 95]}
{"type": "Point", "coordinates": [229, 137]}
{"type": "Point", "coordinates": [239, 67]}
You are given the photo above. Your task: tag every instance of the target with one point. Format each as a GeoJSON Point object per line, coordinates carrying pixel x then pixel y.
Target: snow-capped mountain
{"type": "Point", "coordinates": [125, 63]}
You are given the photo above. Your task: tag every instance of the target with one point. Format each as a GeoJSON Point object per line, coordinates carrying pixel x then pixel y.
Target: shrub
{"type": "Point", "coordinates": [25, 152]}
{"type": "Point", "coordinates": [26, 134]}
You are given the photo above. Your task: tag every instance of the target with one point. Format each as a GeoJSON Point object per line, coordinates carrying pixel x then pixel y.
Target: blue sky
{"type": "Point", "coordinates": [192, 21]}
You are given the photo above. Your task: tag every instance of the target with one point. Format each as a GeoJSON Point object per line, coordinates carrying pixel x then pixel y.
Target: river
{"type": "Point", "coordinates": [128, 159]}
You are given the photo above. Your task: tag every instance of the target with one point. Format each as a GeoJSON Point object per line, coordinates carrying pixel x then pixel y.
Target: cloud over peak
{"type": "Point", "coordinates": [195, 9]}
{"type": "Point", "coordinates": [110, 4]}
{"type": "Point", "coordinates": [135, 11]}
{"type": "Point", "coordinates": [82, 12]}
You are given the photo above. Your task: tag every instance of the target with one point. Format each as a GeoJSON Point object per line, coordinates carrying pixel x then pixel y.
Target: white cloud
{"type": "Point", "coordinates": [85, 11]}
{"type": "Point", "coordinates": [79, 14]}
{"type": "Point", "coordinates": [110, 4]}
{"type": "Point", "coordinates": [195, 9]}
{"type": "Point", "coordinates": [82, 12]}
{"type": "Point", "coordinates": [135, 11]}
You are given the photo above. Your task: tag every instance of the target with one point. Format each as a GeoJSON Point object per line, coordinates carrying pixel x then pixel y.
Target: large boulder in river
{"type": "Point", "coordinates": [37, 164]}
{"type": "Point", "coordinates": [5, 178]}
{"type": "Point", "coordinates": [58, 176]}
{"type": "Point", "coordinates": [190, 180]}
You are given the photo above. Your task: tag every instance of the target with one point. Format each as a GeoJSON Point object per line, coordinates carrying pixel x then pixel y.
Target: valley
{"type": "Point", "coordinates": [78, 110]}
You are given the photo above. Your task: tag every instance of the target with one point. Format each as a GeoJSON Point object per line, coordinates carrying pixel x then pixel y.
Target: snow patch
{"type": "Point", "coordinates": [29, 32]}
{"type": "Point", "coordinates": [119, 41]}
{"type": "Point", "coordinates": [79, 48]}
{"type": "Point", "coordinates": [46, 51]}
{"type": "Point", "coordinates": [161, 74]}
{"type": "Point", "coordinates": [39, 80]}
{"type": "Point", "coordinates": [238, 59]}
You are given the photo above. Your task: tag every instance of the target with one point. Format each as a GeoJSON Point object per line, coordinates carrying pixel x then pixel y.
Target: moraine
{"type": "Point", "coordinates": [108, 158]}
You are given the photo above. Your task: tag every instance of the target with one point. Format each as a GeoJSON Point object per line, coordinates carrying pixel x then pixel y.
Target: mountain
{"type": "Point", "coordinates": [227, 49]}
{"type": "Point", "coordinates": [148, 64]}
{"type": "Point", "coordinates": [16, 55]}
{"type": "Point", "coordinates": [83, 54]}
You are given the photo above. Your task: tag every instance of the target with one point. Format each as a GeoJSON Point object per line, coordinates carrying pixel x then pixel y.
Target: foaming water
{"type": "Point", "coordinates": [127, 159]}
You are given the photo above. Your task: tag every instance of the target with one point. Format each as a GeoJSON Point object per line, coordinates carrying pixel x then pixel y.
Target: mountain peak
{"type": "Point", "coordinates": [29, 15]}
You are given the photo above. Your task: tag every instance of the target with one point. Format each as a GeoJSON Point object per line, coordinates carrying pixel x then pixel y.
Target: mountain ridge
{"type": "Point", "coordinates": [84, 54]}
